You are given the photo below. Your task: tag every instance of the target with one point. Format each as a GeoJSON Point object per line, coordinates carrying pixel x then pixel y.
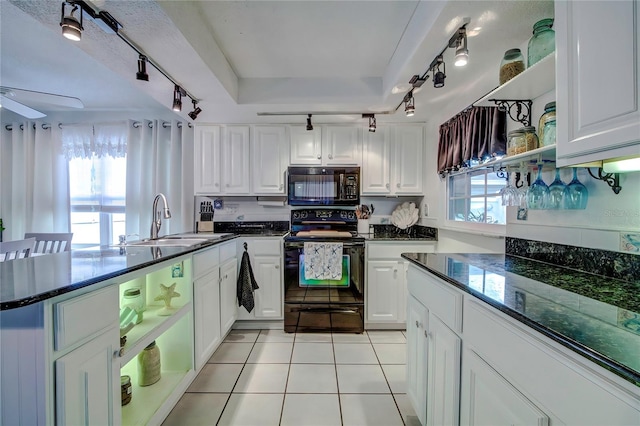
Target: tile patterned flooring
{"type": "Point", "coordinates": [269, 377]}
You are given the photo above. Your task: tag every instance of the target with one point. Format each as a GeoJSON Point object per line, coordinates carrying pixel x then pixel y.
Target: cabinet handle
{"type": "Point", "coordinates": [227, 185]}
{"type": "Point", "coordinates": [398, 185]}
{"type": "Point", "coordinates": [428, 335]}
{"type": "Point", "coordinates": [330, 156]}
{"type": "Point", "coordinates": [281, 186]}
{"type": "Point", "coordinates": [119, 353]}
{"type": "Point", "coordinates": [319, 156]}
{"type": "Point", "coordinates": [417, 324]}
{"type": "Point", "coordinates": [226, 276]}
{"type": "Point", "coordinates": [387, 185]}
{"type": "Point", "coordinates": [217, 184]}
{"type": "Point", "coordinates": [277, 266]}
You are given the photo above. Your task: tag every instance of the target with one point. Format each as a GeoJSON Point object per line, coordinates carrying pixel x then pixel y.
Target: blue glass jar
{"type": "Point", "coordinates": [543, 41]}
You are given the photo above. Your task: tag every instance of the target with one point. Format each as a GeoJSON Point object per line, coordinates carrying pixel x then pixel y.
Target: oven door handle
{"type": "Point", "coordinates": [300, 244]}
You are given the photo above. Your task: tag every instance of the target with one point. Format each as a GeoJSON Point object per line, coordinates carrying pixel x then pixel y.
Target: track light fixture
{"type": "Point", "coordinates": [462, 53]}
{"type": "Point", "coordinates": [372, 121]}
{"type": "Point", "coordinates": [438, 74]}
{"type": "Point", "coordinates": [409, 107]}
{"type": "Point", "coordinates": [196, 110]}
{"type": "Point", "coordinates": [71, 27]}
{"type": "Point", "coordinates": [178, 93]}
{"type": "Point", "coordinates": [309, 125]}
{"type": "Point", "coordinates": [142, 69]}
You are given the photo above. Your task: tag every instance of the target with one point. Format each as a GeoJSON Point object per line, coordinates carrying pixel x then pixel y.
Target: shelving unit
{"type": "Point", "coordinates": [546, 154]}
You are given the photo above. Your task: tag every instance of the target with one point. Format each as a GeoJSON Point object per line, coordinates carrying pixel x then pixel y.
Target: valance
{"type": "Point", "coordinates": [101, 140]}
{"type": "Point", "coordinates": [474, 135]}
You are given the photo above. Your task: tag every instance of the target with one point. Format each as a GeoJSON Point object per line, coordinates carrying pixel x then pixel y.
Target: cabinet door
{"type": "Point", "coordinates": [306, 145]}
{"type": "Point", "coordinates": [376, 162]}
{"type": "Point", "coordinates": [207, 160]}
{"type": "Point", "coordinates": [268, 298]}
{"type": "Point", "coordinates": [270, 158]}
{"type": "Point", "coordinates": [87, 383]}
{"type": "Point", "coordinates": [407, 160]}
{"type": "Point", "coordinates": [235, 160]}
{"type": "Point", "coordinates": [384, 290]}
{"type": "Point", "coordinates": [600, 115]}
{"type": "Point", "coordinates": [443, 374]}
{"type": "Point", "coordinates": [341, 145]}
{"type": "Point", "coordinates": [206, 298]}
{"type": "Point", "coordinates": [488, 399]}
{"type": "Point", "coordinates": [228, 295]}
{"type": "Point", "coordinates": [417, 322]}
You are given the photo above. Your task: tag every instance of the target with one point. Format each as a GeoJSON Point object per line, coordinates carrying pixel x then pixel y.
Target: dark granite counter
{"type": "Point", "coordinates": [393, 233]}
{"type": "Point", "coordinates": [593, 315]}
{"type": "Point", "coordinates": [30, 280]}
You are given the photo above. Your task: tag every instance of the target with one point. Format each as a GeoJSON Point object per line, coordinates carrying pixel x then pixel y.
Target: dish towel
{"type": "Point", "coordinates": [246, 283]}
{"type": "Point", "coordinates": [322, 261]}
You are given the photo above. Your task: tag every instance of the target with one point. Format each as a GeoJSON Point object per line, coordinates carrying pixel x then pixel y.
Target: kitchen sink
{"type": "Point", "coordinates": [168, 242]}
{"type": "Point", "coordinates": [200, 236]}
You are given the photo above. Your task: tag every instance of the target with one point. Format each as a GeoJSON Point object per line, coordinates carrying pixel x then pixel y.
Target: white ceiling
{"type": "Point", "coordinates": [244, 57]}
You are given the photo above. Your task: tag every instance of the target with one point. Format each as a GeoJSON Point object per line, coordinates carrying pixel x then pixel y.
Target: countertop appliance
{"type": "Point", "coordinates": [323, 186]}
{"type": "Point", "coordinates": [316, 305]}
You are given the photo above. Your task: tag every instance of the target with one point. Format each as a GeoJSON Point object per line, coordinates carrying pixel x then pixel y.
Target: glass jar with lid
{"type": "Point", "coordinates": [542, 43]}
{"type": "Point", "coordinates": [530, 138]}
{"type": "Point", "coordinates": [512, 64]}
{"type": "Point", "coordinates": [516, 143]}
{"type": "Point", "coordinates": [133, 298]}
{"type": "Point", "coordinates": [547, 125]}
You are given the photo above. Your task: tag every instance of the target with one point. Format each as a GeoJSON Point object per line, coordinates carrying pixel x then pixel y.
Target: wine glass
{"type": "Point", "coordinates": [577, 194]}
{"type": "Point", "coordinates": [538, 193]}
{"type": "Point", "coordinates": [557, 193]}
{"type": "Point", "coordinates": [509, 193]}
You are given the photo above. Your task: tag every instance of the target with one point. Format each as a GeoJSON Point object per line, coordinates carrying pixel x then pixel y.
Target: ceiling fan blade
{"type": "Point", "coordinates": [18, 108]}
{"type": "Point", "coordinates": [31, 96]}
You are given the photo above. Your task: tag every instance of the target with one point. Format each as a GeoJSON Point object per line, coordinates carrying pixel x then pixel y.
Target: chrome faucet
{"type": "Point", "coordinates": [156, 221]}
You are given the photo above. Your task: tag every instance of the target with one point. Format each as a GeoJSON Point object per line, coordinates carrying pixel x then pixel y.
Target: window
{"type": "Point", "coordinates": [475, 197]}
{"type": "Point", "coordinates": [97, 188]}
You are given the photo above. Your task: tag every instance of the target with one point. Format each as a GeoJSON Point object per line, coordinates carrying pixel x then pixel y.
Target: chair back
{"type": "Point", "coordinates": [17, 249]}
{"type": "Point", "coordinates": [51, 242]}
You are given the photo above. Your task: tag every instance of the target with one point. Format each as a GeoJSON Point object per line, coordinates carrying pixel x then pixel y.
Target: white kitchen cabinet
{"type": "Point", "coordinates": [598, 113]}
{"type": "Point", "coordinates": [329, 145]}
{"type": "Point", "coordinates": [221, 160]}
{"type": "Point", "coordinates": [392, 160]}
{"type": "Point", "coordinates": [269, 159]}
{"type": "Point", "coordinates": [206, 299]}
{"type": "Point", "coordinates": [266, 262]}
{"type": "Point", "coordinates": [386, 291]}
{"type": "Point", "coordinates": [488, 399]}
{"type": "Point", "coordinates": [417, 320]}
{"type": "Point", "coordinates": [88, 381]}
{"type": "Point", "coordinates": [228, 295]}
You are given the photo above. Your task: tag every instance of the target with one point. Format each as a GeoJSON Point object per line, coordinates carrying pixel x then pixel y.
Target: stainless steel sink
{"type": "Point", "coordinates": [203, 236]}
{"type": "Point", "coordinates": [168, 242]}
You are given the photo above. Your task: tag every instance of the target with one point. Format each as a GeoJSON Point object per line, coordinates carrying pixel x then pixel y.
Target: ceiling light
{"type": "Point", "coordinates": [462, 53]}
{"type": "Point", "coordinates": [142, 68]}
{"type": "Point", "coordinates": [409, 107]}
{"type": "Point", "coordinates": [196, 110]}
{"type": "Point", "coordinates": [309, 125]}
{"type": "Point", "coordinates": [71, 27]}
{"type": "Point", "coordinates": [439, 75]}
{"type": "Point", "coordinates": [177, 98]}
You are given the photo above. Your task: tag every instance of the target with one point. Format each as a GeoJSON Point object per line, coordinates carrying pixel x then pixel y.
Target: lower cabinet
{"type": "Point", "coordinates": [228, 295]}
{"type": "Point", "coordinates": [265, 255]}
{"type": "Point", "coordinates": [488, 399]}
{"type": "Point", "coordinates": [206, 300]}
{"type": "Point", "coordinates": [417, 319]}
{"type": "Point", "coordinates": [87, 383]}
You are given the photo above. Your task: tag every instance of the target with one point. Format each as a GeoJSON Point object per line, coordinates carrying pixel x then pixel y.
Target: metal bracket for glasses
{"type": "Point", "coordinates": [522, 113]}
{"type": "Point", "coordinates": [519, 176]}
{"type": "Point", "coordinates": [612, 179]}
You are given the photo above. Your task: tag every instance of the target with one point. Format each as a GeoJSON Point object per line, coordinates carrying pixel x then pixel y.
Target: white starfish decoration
{"type": "Point", "coordinates": [166, 294]}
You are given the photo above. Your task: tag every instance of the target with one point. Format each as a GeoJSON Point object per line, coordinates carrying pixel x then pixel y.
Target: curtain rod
{"type": "Point", "coordinates": [136, 124]}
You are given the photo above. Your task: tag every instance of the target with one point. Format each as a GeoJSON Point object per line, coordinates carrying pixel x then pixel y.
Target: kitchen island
{"type": "Point", "coordinates": [62, 352]}
{"type": "Point", "coordinates": [535, 342]}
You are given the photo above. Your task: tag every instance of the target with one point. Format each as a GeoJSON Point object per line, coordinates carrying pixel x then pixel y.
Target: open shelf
{"type": "Point", "coordinates": [529, 84]}
{"type": "Point", "coordinates": [547, 154]}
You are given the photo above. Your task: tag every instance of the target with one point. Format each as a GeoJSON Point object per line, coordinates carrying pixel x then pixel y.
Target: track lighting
{"type": "Point", "coordinates": [196, 110]}
{"type": "Point", "coordinates": [142, 69]}
{"type": "Point", "coordinates": [71, 27]}
{"type": "Point", "coordinates": [409, 107]}
{"type": "Point", "coordinates": [309, 125]}
{"type": "Point", "coordinates": [178, 93]}
{"type": "Point", "coordinates": [462, 53]}
{"type": "Point", "coordinates": [372, 121]}
{"type": "Point", "coordinates": [439, 75]}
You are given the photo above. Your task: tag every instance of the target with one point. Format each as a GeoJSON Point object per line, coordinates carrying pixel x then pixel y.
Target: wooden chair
{"type": "Point", "coordinates": [17, 249]}
{"type": "Point", "coordinates": [52, 242]}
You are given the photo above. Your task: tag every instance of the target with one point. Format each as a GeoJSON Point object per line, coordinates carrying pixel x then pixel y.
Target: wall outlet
{"type": "Point", "coordinates": [630, 242]}
{"type": "Point", "coordinates": [425, 209]}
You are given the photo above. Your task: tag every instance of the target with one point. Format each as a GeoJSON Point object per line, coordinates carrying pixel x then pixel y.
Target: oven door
{"type": "Point", "coordinates": [324, 305]}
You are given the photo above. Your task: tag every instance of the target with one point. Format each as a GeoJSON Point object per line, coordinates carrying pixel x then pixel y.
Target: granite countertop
{"type": "Point", "coordinates": [386, 232]}
{"type": "Point", "coordinates": [31, 280]}
{"type": "Point", "coordinates": [595, 316]}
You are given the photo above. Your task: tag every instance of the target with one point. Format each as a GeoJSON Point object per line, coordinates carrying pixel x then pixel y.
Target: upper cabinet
{"type": "Point", "coordinates": [221, 160]}
{"type": "Point", "coordinates": [325, 145]}
{"type": "Point", "coordinates": [269, 159]}
{"type": "Point", "coordinates": [392, 160]}
{"type": "Point", "coordinates": [598, 113]}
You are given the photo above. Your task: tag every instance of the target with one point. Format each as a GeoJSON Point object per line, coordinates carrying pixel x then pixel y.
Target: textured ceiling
{"type": "Point", "coordinates": [244, 57]}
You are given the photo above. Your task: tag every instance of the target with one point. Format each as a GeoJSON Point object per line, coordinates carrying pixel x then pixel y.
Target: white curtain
{"type": "Point", "coordinates": [85, 140]}
{"type": "Point", "coordinates": [34, 187]}
{"type": "Point", "coordinates": [159, 160]}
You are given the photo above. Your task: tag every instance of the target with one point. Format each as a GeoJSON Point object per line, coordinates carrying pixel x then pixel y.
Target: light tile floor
{"type": "Point", "coordinates": [269, 377]}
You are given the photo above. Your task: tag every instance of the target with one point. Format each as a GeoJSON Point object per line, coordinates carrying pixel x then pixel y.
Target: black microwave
{"type": "Point", "coordinates": [323, 186]}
